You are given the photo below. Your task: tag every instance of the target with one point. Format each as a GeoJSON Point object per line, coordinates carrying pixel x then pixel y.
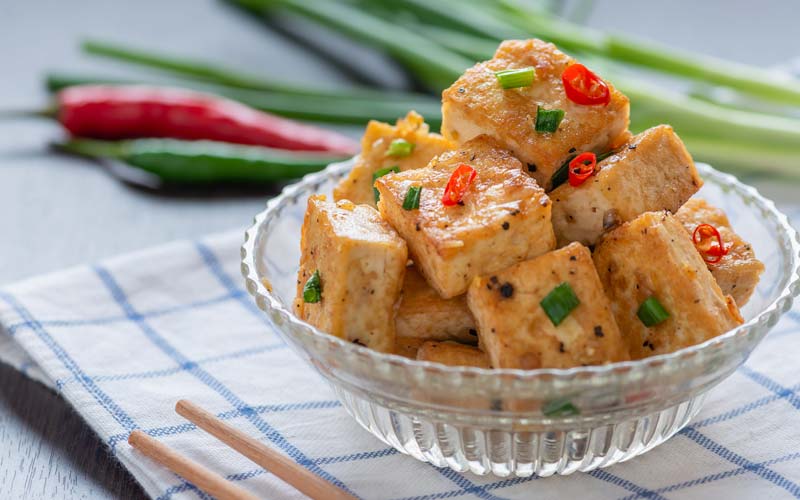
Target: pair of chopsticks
{"type": "Point", "coordinates": [212, 483]}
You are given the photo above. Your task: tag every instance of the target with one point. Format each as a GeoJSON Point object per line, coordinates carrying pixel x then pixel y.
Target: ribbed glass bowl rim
{"type": "Point", "coordinates": [627, 369]}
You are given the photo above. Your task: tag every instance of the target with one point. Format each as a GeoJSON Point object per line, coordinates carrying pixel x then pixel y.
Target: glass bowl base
{"type": "Point", "coordinates": [506, 452]}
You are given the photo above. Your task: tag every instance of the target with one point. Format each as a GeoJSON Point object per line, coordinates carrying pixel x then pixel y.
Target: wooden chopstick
{"type": "Point", "coordinates": [302, 479]}
{"type": "Point", "coordinates": [208, 481]}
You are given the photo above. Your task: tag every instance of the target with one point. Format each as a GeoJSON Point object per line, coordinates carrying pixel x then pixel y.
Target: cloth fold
{"type": "Point", "coordinates": [124, 340]}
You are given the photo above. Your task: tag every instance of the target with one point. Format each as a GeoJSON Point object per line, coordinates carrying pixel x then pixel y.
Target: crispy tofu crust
{"type": "Point", "coordinates": [739, 271]}
{"type": "Point", "coordinates": [426, 315]}
{"type": "Point", "coordinates": [476, 104]}
{"type": "Point", "coordinates": [504, 219]}
{"type": "Point", "coordinates": [653, 255]}
{"type": "Point", "coordinates": [652, 172]}
{"type": "Point", "coordinates": [453, 354]}
{"type": "Point", "coordinates": [361, 261]}
{"type": "Point", "coordinates": [408, 346]}
{"type": "Point", "coordinates": [357, 186]}
{"type": "Point", "coordinates": [515, 330]}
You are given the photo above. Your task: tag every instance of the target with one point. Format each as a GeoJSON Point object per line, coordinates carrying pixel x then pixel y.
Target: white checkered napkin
{"type": "Point", "coordinates": [124, 340]}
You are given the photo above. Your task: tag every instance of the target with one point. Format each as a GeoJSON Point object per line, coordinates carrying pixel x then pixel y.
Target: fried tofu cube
{"type": "Point", "coordinates": [652, 172]}
{"type": "Point", "coordinates": [739, 271]}
{"type": "Point", "coordinates": [503, 218]}
{"type": "Point", "coordinates": [408, 346]}
{"type": "Point", "coordinates": [453, 354]}
{"type": "Point", "coordinates": [375, 155]}
{"type": "Point", "coordinates": [652, 256]}
{"type": "Point", "coordinates": [477, 104]}
{"type": "Point", "coordinates": [424, 314]}
{"type": "Point", "coordinates": [513, 311]}
{"type": "Point", "coordinates": [359, 261]}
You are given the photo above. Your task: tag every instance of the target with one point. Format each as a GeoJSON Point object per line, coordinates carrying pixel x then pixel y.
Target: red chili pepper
{"type": "Point", "coordinates": [127, 112]}
{"type": "Point", "coordinates": [709, 243]}
{"type": "Point", "coordinates": [581, 168]}
{"type": "Point", "coordinates": [458, 184]}
{"type": "Point", "coordinates": [584, 87]}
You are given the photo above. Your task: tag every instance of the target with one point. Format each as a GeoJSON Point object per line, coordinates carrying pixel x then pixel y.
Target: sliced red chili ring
{"type": "Point", "coordinates": [581, 168]}
{"type": "Point", "coordinates": [584, 87]}
{"type": "Point", "coordinates": [458, 184]}
{"type": "Point", "coordinates": [708, 241]}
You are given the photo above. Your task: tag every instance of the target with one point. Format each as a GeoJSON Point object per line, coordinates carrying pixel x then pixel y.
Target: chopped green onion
{"type": "Point", "coordinates": [412, 198]}
{"type": "Point", "coordinates": [312, 291]}
{"type": "Point", "coordinates": [380, 173]}
{"type": "Point", "coordinates": [514, 78]}
{"type": "Point", "coordinates": [561, 175]}
{"type": "Point", "coordinates": [651, 312]}
{"type": "Point", "coordinates": [560, 408]}
{"type": "Point", "coordinates": [559, 303]}
{"type": "Point", "coordinates": [547, 120]}
{"type": "Point", "coordinates": [605, 155]}
{"type": "Point", "coordinates": [400, 148]}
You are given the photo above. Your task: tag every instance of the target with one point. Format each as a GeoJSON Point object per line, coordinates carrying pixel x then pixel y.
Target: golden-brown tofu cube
{"type": "Point", "coordinates": [408, 346]}
{"type": "Point", "coordinates": [738, 272]}
{"type": "Point", "coordinates": [653, 172]}
{"type": "Point", "coordinates": [652, 256]}
{"type": "Point", "coordinates": [477, 104]}
{"type": "Point", "coordinates": [517, 317]}
{"type": "Point", "coordinates": [453, 354]}
{"type": "Point", "coordinates": [359, 261]}
{"type": "Point", "coordinates": [426, 315]}
{"type": "Point", "coordinates": [375, 155]}
{"type": "Point", "coordinates": [503, 218]}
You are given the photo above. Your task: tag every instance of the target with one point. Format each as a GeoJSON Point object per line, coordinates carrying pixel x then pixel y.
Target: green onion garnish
{"type": "Point", "coordinates": [605, 155]}
{"type": "Point", "coordinates": [560, 408]}
{"type": "Point", "coordinates": [559, 303]}
{"type": "Point", "coordinates": [547, 120]}
{"type": "Point", "coordinates": [561, 175]}
{"type": "Point", "coordinates": [412, 198]}
{"type": "Point", "coordinates": [380, 173]}
{"type": "Point", "coordinates": [400, 148]}
{"type": "Point", "coordinates": [312, 291]}
{"type": "Point", "coordinates": [514, 78]}
{"type": "Point", "coordinates": [651, 312]}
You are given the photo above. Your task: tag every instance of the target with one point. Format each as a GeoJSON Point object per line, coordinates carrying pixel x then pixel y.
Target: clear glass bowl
{"type": "Point", "coordinates": [515, 422]}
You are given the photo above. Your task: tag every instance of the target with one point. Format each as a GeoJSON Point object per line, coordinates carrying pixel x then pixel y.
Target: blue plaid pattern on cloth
{"type": "Point", "coordinates": [123, 340]}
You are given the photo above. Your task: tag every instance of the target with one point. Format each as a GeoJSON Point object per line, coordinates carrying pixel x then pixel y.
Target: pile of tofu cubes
{"type": "Point", "coordinates": [520, 272]}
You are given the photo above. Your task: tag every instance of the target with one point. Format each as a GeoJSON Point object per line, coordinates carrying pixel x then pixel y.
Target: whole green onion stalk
{"type": "Point", "coordinates": [521, 22]}
{"type": "Point", "coordinates": [760, 139]}
{"type": "Point", "coordinates": [436, 43]}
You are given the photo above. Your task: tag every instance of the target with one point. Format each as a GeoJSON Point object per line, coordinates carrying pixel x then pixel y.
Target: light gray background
{"type": "Point", "coordinates": [57, 211]}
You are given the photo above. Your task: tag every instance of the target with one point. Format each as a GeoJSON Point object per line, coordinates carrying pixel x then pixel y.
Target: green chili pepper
{"type": "Point", "coordinates": [204, 162]}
